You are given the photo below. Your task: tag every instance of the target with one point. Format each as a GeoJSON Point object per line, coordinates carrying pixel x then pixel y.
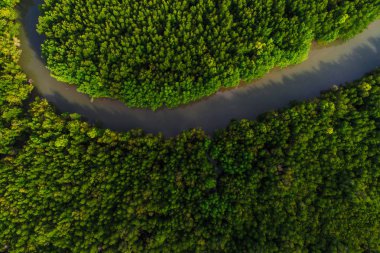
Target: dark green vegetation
{"type": "Point", "coordinates": [155, 53]}
{"type": "Point", "coordinates": [303, 179]}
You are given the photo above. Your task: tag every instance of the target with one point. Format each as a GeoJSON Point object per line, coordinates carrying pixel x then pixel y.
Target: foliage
{"type": "Point", "coordinates": [155, 53]}
{"type": "Point", "coordinates": [13, 86]}
{"type": "Point", "coordinates": [304, 179]}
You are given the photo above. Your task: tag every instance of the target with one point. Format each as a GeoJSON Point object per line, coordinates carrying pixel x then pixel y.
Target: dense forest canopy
{"type": "Point", "coordinates": [155, 53]}
{"type": "Point", "coordinates": [304, 179]}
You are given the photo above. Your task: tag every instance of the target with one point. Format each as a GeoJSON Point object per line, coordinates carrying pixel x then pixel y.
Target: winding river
{"type": "Point", "coordinates": [325, 67]}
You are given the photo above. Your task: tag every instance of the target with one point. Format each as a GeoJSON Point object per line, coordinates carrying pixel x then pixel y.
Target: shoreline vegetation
{"type": "Point", "coordinates": [158, 56]}
{"type": "Point", "coordinates": [304, 178]}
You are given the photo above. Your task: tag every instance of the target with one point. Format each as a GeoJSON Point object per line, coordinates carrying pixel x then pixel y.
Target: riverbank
{"type": "Point", "coordinates": [325, 67]}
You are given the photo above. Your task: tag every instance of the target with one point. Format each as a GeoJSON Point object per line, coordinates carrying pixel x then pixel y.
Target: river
{"type": "Point", "coordinates": [336, 64]}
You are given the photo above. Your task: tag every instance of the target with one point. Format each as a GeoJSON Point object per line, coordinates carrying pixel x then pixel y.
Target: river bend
{"type": "Point", "coordinates": [325, 67]}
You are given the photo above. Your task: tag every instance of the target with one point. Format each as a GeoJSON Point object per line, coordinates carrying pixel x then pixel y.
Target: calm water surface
{"type": "Point", "coordinates": [325, 67]}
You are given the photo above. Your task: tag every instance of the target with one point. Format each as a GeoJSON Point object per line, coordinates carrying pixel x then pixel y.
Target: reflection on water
{"type": "Point", "coordinates": [324, 68]}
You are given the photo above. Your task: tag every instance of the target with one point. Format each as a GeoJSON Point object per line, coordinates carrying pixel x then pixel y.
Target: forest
{"type": "Point", "coordinates": [156, 53]}
{"type": "Point", "coordinates": [302, 179]}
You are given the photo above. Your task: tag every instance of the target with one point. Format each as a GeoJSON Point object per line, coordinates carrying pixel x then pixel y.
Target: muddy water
{"type": "Point", "coordinates": [325, 67]}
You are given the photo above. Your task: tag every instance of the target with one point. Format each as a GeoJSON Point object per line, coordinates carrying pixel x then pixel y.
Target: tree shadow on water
{"type": "Point", "coordinates": [28, 16]}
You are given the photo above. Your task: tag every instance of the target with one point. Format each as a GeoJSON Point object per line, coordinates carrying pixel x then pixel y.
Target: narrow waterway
{"type": "Point", "coordinates": [325, 67]}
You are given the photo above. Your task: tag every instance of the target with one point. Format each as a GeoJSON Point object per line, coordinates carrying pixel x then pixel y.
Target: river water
{"type": "Point", "coordinates": [325, 67]}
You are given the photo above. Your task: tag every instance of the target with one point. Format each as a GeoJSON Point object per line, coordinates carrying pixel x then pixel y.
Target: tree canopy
{"type": "Point", "coordinates": [155, 53]}
{"type": "Point", "coordinates": [303, 179]}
